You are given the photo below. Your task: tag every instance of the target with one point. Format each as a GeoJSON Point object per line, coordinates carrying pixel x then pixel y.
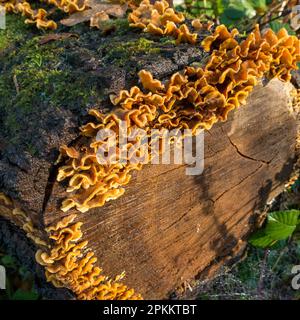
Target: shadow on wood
{"type": "Point", "coordinates": [169, 227]}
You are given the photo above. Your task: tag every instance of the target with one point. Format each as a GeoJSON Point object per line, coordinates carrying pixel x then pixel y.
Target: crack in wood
{"type": "Point", "coordinates": [249, 175]}
{"type": "Point", "coordinates": [242, 154]}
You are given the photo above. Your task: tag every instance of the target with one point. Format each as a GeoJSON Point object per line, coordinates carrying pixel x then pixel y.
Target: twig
{"type": "Point", "coordinates": [283, 14]}
{"type": "Point", "coordinates": [287, 12]}
{"type": "Point", "coordinates": [283, 5]}
{"type": "Point", "coordinates": [282, 252]}
{"type": "Point", "coordinates": [16, 83]}
{"type": "Point", "coordinates": [262, 275]}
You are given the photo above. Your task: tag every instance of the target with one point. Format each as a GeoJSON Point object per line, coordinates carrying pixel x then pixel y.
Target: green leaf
{"type": "Point", "coordinates": [277, 25]}
{"type": "Point", "coordinates": [227, 21]}
{"type": "Point", "coordinates": [239, 9]}
{"type": "Point", "coordinates": [234, 13]}
{"type": "Point", "coordinates": [288, 217]}
{"type": "Point", "coordinates": [259, 4]}
{"type": "Point", "coordinates": [218, 7]}
{"type": "Point", "coordinates": [247, 7]}
{"type": "Point", "coordinates": [195, 11]}
{"type": "Point", "coordinates": [261, 240]}
{"type": "Point", "coordinates": [281, 224]}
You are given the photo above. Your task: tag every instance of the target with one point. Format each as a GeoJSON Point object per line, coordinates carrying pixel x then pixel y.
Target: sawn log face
{"type": "Point", "coordinates": [169, 227]}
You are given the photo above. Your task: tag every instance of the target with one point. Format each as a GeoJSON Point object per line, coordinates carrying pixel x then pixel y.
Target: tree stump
{"type": "Point", "coordinates": [168, 227]}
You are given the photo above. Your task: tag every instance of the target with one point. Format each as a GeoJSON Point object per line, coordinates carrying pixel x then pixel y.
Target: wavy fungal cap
{"type": "Point", "coordinates": [160, 19]}
{"type": "Point", "coordinates": [66, 258]}
{"type": "Point", "coordinates": [191, 99]}
{"type": "Point", "coordinates": [39, 16]}
{"type": "Point", "coordinates": [70, 264]}
{"type": "Point", "coordinates": [18, 217]}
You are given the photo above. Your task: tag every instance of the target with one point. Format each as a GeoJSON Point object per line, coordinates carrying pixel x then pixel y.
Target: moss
{"type": "Point", "coordinates": [121, 26]}
{"type": "Point", "coordinates": [14, 32]}
{"type": "Point", "coordinates": [121, 53]}
{"type": "Point", "coordinates": [167, 40]}
{"type": "Point", "coordinates": [35, 79]}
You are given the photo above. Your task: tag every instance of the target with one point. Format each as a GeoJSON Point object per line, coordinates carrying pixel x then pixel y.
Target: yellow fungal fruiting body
{"type": "Point", "coordinates": [70, 264]}
{"type": "Point", "coordinates": [198, 25]}
{"type": "Point", "coordinates": [160, 19]}
{"type": "Point", "coordinates": [39, 16]}
{"type": "Point", "coordinates": [295, 94]}
{"type": "Point", "coordinates": [66, 258]}
{"type": "Point", "coordinates": [9, 211]}
{"type": "Point", "coordinates": [192, 99]}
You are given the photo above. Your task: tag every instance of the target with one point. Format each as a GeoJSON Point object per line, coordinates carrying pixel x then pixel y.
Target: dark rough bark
{"type": "Point", "coordinates": [15, 243]}
{"type": "Point", "coordinates": [42, 109]}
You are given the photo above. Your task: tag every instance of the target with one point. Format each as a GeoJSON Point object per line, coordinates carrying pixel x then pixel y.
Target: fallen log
{"type": "Point", "coordinates": [168, 227]}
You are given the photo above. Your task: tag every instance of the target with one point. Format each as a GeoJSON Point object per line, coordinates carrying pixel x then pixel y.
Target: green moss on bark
{"type": "Point", "coordinates": [120, 53]}
{"type": "Point", "coordinates": [35, 78]}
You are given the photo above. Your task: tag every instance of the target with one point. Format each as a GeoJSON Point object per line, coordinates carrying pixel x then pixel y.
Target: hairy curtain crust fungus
{"type": "Point", "coordinates": [39, 16]}
{"type": "Point", "coordinates": [69, 263]}
{"type": "Point", "coordinates": [191, 99]}
{"type": "Point", "coordinates": [66, 258]}
{"type": "Point", "coordinates": [18, 217]}
{"type": "Point", "coordinates": [160, 19]}
{"type": "Point", "coordinates": [33, 16]}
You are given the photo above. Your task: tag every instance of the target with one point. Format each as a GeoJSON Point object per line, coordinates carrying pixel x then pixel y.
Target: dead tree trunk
{"type": "Point", "coordinates": [168, 227]}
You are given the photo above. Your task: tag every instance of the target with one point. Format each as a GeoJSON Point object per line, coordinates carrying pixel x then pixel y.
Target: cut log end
{"type": "Point", "coordinates": [169, 227]}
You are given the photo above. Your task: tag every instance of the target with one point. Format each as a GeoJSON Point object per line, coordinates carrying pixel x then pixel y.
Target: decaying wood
{"type": "Point", "coordinates": [168, 227]}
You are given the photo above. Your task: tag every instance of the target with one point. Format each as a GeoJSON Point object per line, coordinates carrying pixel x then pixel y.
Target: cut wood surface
{"type": "Point", "coordinates": [168, 227]}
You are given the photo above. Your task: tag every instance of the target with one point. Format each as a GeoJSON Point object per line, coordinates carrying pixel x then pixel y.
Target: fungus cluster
{"type": "Point", "coordinates": [17, 216]}
{"type": "Point", "coordinates": [191, 99]}
{"type": "Point", "coordinates": [295, 94]}
{"type": "Point", "coordinates": [268, 54]}
{"type": "Point", "coordinates": [39, 16]}
{"type": "Point", "coordinates": [67, 260]}
{"type": "Point", "coordinates": [160, 19]}
{"type": "Point", "coordinates": [71, 265]}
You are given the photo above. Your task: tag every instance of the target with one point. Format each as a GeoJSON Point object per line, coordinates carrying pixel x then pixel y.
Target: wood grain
{"type": "Point", "coordinates": [169, 227]}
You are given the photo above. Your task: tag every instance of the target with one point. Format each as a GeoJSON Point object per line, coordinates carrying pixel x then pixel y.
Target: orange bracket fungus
{"type": "Point", "coordinates": [70, 264]}
{"type": "Point", "coordinates": [19, 218]}
{"type": "Point", "coordinates": [94, 11]}
{"type": "Point", "coordinates": [39, 16]}
{"type": "Point", "coordinates": [160, 19]}
{"type": "Point", "coordinates": [66, 258]}
{"type": "Point", "coordinates": [191, 99]}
